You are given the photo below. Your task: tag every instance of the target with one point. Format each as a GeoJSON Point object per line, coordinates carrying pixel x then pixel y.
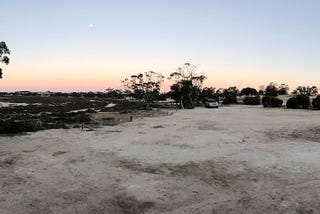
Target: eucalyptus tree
{"type": "Point", "coordinates": [4, 52]}
{"type": "Point", "coordinates": [187, 85]}
{"type": "Point", "coordinates": [144, 86]}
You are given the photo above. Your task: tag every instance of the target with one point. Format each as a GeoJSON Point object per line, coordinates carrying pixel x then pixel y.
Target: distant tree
{"type": "Point", "coordinates": [161, 97]}
{"type": "Point", "coordinates": [272, 90]}
{"type": "Point", "coordinates": [114, 93]}
{"type": "Point", "coordinates": [208, 92]}
{"type": "Point", "coordinates": [231, 90]}
{"type": "Point", "coordinates": [249, 91]}
{"type": "Point", "coordinates": [75, 94]}
{"type": "Point", "coordinates": [4, 51]}
{"type": "Point", "coordinates": [230, 95]}
{"type": "Point", "coordinates": [187, 85]}
{"type": "Point", "coordinates": [283, 89]}
{"type": "Point", "coordinates": [271, 101]}
{"type": "Point", "coordinates": [145, 86]}
{"type": "Point", "coordinates": [306, 90]}
{"type": "Point", "coordinates": [219, 92]}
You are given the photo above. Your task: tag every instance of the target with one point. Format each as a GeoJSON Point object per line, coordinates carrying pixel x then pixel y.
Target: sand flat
{"type": "Point", "coordinates": [235, 159]}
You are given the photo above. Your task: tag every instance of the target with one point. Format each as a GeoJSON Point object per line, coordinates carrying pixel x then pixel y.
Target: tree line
{"type": "Point", "coordinates": [187, 91]}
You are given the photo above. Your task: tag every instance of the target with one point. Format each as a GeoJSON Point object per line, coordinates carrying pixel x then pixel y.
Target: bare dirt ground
{"type": "Point", "coordinates": [234, 159]}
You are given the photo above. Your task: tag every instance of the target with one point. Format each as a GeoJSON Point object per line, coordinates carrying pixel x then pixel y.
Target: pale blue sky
{"type": "Point", "coordinates": [239, 42]}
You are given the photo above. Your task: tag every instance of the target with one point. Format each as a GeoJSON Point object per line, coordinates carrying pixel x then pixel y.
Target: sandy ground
{"type": "Point", "coordinates": [234, 159]}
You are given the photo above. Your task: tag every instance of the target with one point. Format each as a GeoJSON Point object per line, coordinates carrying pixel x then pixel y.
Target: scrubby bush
{"type": "Point", "coordinates": [292, 103]}
{"type": "Point", "coordinates": [276, 102]}
{"type": "Point", "coordinates": [303, 101]}
{"type": "Point", "coordinates": [17, 126]}
{"type": "Point", "coordinates": [83, 118]}
{"type": "Point", "coordinates": [270, 101]}
{"type": "Point", "coordinates": [272, 90]}
{"type": "Point", "coordinates": [300, 101]}
{"type": "Point", "coordinates": [252, 100]}
{"type": "Point", "coordinates": [316, 103]}
{"type": "Point", "coordinates": [229, 99]}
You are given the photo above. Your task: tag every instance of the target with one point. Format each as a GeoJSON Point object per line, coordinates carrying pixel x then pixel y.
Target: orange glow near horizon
{"type": "Point", "coordinates": [73, 76]}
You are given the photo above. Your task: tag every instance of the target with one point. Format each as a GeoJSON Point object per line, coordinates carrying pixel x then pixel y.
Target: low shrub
{"type": "Point", "coordinates": [292, 103]}
{"type": "Point", "coordinates": [300, 101]}
{"type": "Point", "coordinates": [270, 101]}
{"type": "Point", "coordinates": [83, 118]}
{"type": "Point", "coordinates": [316, 103]}
{"type": "Point", "coordinates": [230, 99]}
{"type": "Point", "coordinates": [252, 100]}
{"type": "Point", "coordinates": [303, 101]}
{"type": "Point", "coordinates": [17, 126]}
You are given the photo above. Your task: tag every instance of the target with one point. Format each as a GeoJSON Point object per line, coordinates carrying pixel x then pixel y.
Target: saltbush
{"type": "Point", "coordinates": [292, 103]}
{"type": "Point", "coordinates": [270, 101]}
{"type": "Point", "coordinates": [229, 99]}
{"type": "Point", "coordinates": [303, 101]}
{"type": "Point", "coordinates": [252, 100]}
{"type": "Point", "coordinates": [316, 103]}
{"type": "Point", "coordinates": [83, 118]}
{"type": "Point", "coordinates": [16, 126]}
{"type": "Point", "coordinates": [300, 101]}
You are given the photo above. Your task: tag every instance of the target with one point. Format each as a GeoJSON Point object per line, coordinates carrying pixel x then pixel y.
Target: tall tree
{"type": "Point", "coordinates": [306, 90]}
{"type": "Point", "coordinates": [230, 95]}
{"type": "Point", "coordinates": [4, 51]}
{"type": "Point", "coordinates": [187, 85]}
{"type": "Point", "coordinates": [272, 90]}
{"type": "Point", "coordinates": [144, 86]}
{"type": "Point", "coordinates": [283, 89]}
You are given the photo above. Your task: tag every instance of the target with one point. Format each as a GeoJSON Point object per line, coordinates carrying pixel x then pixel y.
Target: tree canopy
{"type": "Point", "coordinates": [306, 90]}
{"type": "Point", "coordinates": [249, 91]}
{"type": "Point", "coordinates": [272, 90]}
{"type": "Point", "coordinates": [4, 51]}
{"type": "Point", "coordinates": [144, 86]}
{"type": "Point", "coordinates": [187, 85]}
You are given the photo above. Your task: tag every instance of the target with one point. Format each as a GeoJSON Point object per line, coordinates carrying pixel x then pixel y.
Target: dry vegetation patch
{"type": "Point", "coordinates": [308, 134]}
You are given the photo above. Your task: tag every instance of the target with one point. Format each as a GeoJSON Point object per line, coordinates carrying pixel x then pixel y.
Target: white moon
{"type": "Point", "coordinates": [91, 25]}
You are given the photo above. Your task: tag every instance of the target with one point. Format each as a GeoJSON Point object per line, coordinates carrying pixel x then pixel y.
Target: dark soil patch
{"type": "Point", "coordinates": [59, 153]}
{"type": "Point", "coordinates": [310, 134]}
{"type": "Point", "coordinates": [208, 172]}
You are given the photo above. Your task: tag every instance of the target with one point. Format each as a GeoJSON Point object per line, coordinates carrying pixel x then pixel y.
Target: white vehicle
{"type": "Point", "coordinates": [212, 103]}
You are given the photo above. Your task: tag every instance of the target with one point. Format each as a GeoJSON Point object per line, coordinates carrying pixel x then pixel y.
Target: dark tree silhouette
{"type": "Point", "coordinates": [306, 90]}
{"type": "Point", "coordinates": [4, 51]}
{"type": "Point", "coordinates": [207, 93]}
{"type": "Point", "coordinates": [272, 90]}
{"type": "Point", "coordinates": [249, 91]}
{"type": "Point", "coordinates": [283, 89]}
{"type": "Point", "coordinates": [145, 86]}
{"type": "Point", "coordinates": [230, 95]}
{"type": "Point", "coordinates": [187, 86]}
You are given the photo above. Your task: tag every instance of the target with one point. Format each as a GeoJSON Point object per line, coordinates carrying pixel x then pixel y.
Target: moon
{"type": "Point", "coordinates": [91, 25]}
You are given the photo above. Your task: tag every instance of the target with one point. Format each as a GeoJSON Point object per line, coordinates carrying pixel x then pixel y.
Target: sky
{"type": "Point", "coordinates": [78, 45]}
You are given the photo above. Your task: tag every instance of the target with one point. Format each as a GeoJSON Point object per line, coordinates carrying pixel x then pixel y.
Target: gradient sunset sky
{"type": "Point", "coordinates": [74, 45]}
